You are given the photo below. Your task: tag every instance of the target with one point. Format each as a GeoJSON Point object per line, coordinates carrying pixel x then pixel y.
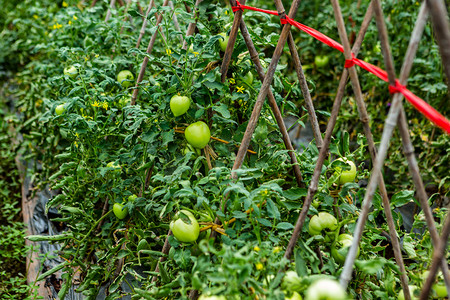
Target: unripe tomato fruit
{"type": "Point", "coordinates": [341, 247]}
{"type": "Point", "coordinates": [117, 168]}
{"type": "Point", "coordinates": [440, 290]}
{"type": "Point", "coordinates": [120, 210]}
{"type": "Point", "coordinates": [412, 289]}
{"type": "Point", "coordinates": [321, 60]}
{"type": "Point", "coordinates": [71, 71]}
{"type": "Point", "coordinates": [294, 296]}
{"type": "Point", "coordinates": [291, 281]}
{"type": "Point", "coordinates": [59, 110]}
{"type": "Point", "coordinates": [347, 175]}
{"type": "Point", "coordinates": [198, 134]}
{"type": "Point", "coordinates": [185, 227]}
{"type": "Point", "coordinates": [325, 289]}
{"type": "Point", "coordinates": [125, 78]}
{"type": "Point", "coordinates": [179, 105]}
{"type": "Point", "coordinates": [321, 222]}
{"type": "Point", "coordinates": [223, 41]}
{"type": "Point", "coordinates": [248, 78]}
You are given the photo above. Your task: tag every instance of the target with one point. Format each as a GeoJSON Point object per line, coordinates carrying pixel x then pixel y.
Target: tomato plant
{"type": "Point", "coordinates": [185, 227]}
{"type": "Point", "coordinates": [120, 211]}
{"type": "Point", "coordinates": [125, 78]}
{"type": "Point", "coordinates": [198, 134]}
{"type": "Point", "coordinates": [179, 105]}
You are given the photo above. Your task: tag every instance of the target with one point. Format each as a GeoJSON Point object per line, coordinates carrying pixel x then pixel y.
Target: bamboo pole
{"type": "Point", "coordinates": [301, 79]}
{"type": "Point", "coordinates": [264, 88]}
{"type": "Point", "coordinates": [112, 4]}
{"type": "Point", "coordinates": [193, 25]}
{"type": "Point", "coordinates": [146, 58]}
{"type": "Point", "coordinates": [394, 113]}
{"type": "Point", "coordinates": [372, 149]}
{"type": "Point", "coordinates": [327, 139]}
{"type": "Point", "coordinates": [175, 20]}
{"type": "Point", "coordinates": [438, 256]}
{"type": "Point", "coordinates": [144, 24]}
{"type": "Point", "coordinates": [439, 14]}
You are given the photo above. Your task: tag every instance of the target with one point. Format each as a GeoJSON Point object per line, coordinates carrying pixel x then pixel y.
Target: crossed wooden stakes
{"type": "Point", "coordinates": [396, 116]}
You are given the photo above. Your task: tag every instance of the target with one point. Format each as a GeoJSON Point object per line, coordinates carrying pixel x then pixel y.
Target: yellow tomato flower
{"type": "Point", "coordinates": [232, 81]}
{"type": "Point", "coordinates": [276, 249]}
{"type": "Point", "coordinates": [256, 248]}
{"type": "Point", "coordinates": [169, 52]}
{"type": "Point", "coordinates": [64, 4]}
{"type": "Point", "coordinates": [240, 89]}
{"type": "Point", "coordinates": [75, 18]}
{"type": "Point", "coordinates": [259, 266]}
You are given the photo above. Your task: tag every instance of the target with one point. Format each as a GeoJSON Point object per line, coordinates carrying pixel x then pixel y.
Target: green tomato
{"type": "Point", "coordinates": [117, 168]}
{"type": "Point", "coordinates": [341, 246]}
{"type": "Point", "coordinates": [291, 282]}
{"type": "Point", "coordinates": [71, 71]}
{"type": "Point", "coordinates": [179, 105]}
{"type": "Point", "coordinates": [294, 296]}
{"type": "Point", "coordinates": [223, 41]}
{"type": "Point", "coordinates": [185, 227]}
{"type": "Point", "coordinates": [321, 60]}
{"type": "Point", "coordinates": [347, 175]}
{"type": "Point", "coordinates": [125, 78]}
{"type": "Point", "coordinates": [120, 210]}
{"type": "Point", "coordinates": [440, 290]}
{"type": "Point", "coordinates": [59, 110]}
{"type": "Point", "coordinates": [322, 221]}
{"type": "Point", "coordinates": [325, 289]}
{"type": "Point", "coordinates": [316, 203]}
{"type": "Point", "coordinates": [414, 290]}
{"type": "Point", "coordinates": [131, 198]}
{"type": "Point", "coordinates": [198, 134]}
{"type": "Point", "coordinates": [124, 101]}
{"type": "Point", "coordinates": [248, 79]}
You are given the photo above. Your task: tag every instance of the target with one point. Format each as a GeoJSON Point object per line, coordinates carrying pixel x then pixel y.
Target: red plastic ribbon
{"type": "Point", "coordinates": [423, 107]}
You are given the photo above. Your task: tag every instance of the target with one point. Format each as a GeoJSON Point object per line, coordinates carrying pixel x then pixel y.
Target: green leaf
{"type": "Point", "coordinates": [401, 198]}
{"type": "Point", "coordinates": [295, 193]}
{"type": "Point", "coordinates": [371, 266]}
{"type": "Point", "coordinates": [223, 110]}
{"type": "Point", "coordinates": [285, 226]}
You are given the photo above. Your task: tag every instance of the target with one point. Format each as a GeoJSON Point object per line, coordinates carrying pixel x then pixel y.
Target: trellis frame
{"type": "Point", "coordinates": [396, 116]}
